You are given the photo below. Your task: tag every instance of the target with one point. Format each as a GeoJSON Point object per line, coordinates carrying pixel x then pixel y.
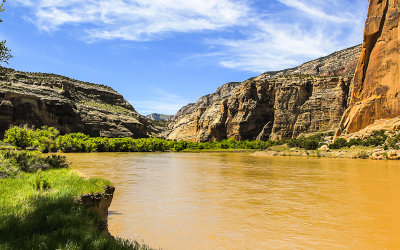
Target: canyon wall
{"type": "Point", "coordinates": [37, 99]}
{"type": "Point", "coordinates": [376, 88]}
{"type": "Point", "coordinates": [282, 104]}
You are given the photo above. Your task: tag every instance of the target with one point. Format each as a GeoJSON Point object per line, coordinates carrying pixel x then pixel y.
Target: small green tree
{"type": "Point", "coordinates": [44, 139]}
{"type": "Point", "coordinates": [19, 137]}
{"type": "Point", "coordinates": [5, 54]}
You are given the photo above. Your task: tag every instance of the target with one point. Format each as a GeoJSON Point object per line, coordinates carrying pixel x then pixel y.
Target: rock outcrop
{"type": "Point", "coordinates": [99, 203]}
{"type": "Point", "coordinates": [37, 99]}
{"type": "Point", "coordinates": [222, 92]}
{"type": "Point", "coordinates": [159, 117]}
{"type": "Point", "coordinates": [283, 104]}
{"type": "Point", "coordinates": [376, 88]}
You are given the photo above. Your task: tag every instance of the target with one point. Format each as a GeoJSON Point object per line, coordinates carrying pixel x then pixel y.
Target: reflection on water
{"type": "Point", "coordinates": [237, 201]}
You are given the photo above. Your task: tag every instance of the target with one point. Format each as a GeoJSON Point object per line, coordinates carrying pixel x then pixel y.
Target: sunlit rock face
{"type": "Point", "coordinates": [282, 104]}
{"type": "Point", "coordinates": [376, 88]}
{"type": "Point", "coordinates": [37, 99]}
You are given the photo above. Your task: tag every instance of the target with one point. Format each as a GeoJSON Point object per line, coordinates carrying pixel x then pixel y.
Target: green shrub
{"type": "Point", "coordinates": [44, 139]}
{"type": "Point", "coordinates": [311, 145]}
{"type": "Point", "coordinates": [74, 142]}
{"type": "Point", "coordinates": [393, 141]}
{"type": "Point", "coordinates": [308, 143]}
{"type": "Point", "coordinates": [355, 142]}
{"type": "Point", "coordinates": [14, 162]}
{"type": "Point", "coordinates": [179, 146]}
{"type": "Point", "coordinates": [339, 143]}
{"type": "Point", "coordinates": [19, 137]}
{"type": "Point", "coordinates": [377, 138]}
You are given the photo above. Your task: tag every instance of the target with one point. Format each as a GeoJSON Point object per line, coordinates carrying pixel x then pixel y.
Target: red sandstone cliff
{"type": "Point", "coordinates": [376, 85]}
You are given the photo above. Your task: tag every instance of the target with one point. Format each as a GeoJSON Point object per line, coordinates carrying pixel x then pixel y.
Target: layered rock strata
{"type": "Point", "coordinates": [284, 104]}
{"type": "Point", "coordinates": [37, 99]}
{"type": "Point", "coordinates": [376, 88]}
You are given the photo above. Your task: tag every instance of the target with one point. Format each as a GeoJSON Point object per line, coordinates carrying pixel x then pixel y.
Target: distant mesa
{"type": "Point", "coordinates": [159, 117]}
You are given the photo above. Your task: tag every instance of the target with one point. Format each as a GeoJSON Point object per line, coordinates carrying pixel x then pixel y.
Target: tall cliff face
{"type": "Point", "coordinates": [222, 93]}
{"type": "Point", "coordinates": [283, 104]}
{"type": "Point", "coordinates": [37, 99]}
{"type": "Point", "coordinates": [376, 87]}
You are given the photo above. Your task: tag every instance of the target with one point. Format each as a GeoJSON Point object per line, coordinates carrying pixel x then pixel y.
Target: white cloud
{"type": "Point", "coordinates": [137, 20]}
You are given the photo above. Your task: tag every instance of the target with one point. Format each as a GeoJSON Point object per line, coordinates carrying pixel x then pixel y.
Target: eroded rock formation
{"type": "Point", "coordinates": [376, 87]}
{"type": "Point", "coordinates": [283, 104]}
{"type": "Point", "coordinates": [99, 203]}
{"type": "Point", "coordinates": [37, 99]}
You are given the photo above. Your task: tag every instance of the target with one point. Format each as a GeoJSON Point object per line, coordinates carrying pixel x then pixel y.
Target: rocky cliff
{"type": "Point", "coordinates": [222, 92]}
{"type": "Point", "coordinates": [159, 117]}
{"type": "Point", "coordinates": [282, 104]}
{"type": "Point", "coordinates": [37, 99]}
{"type": "Point", "coordinates": [376, 88]}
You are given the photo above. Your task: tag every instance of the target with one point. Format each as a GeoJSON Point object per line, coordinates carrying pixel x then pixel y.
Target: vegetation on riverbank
{"type": "Point", "coordinates": [49, 140]}
{"type": "Point", "coordinates": [39, 209]}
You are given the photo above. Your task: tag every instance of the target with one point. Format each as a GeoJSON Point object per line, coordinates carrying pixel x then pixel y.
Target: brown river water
{"type": "Point", "coordinates": [238, 201]}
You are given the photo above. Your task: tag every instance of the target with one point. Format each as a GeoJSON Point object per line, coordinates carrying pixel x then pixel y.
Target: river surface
{"type": "Point", "coordinates": [238, 201]}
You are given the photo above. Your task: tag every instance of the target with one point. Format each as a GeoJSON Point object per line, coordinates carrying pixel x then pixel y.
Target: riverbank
{"type": "Point", "coordinates": [355, 152]}
{"type": "Point", "coordinates": [48, 206]}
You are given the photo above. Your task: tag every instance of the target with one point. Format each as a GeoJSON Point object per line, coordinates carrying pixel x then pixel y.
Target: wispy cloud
{"type": "Point", "coordinates": [303, 31]}
{"type": "Point", "coordinates": [312, 9]}
{"type": "Point", "coordinates": [137, 20]}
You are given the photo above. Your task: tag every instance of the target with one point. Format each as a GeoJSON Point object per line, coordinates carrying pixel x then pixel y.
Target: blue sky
{"type": "Point", "coordinates": [163, 54]}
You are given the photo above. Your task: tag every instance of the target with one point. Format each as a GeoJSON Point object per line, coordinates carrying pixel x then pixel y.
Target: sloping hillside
{"type": "Point", "coordinates": [37, 99]}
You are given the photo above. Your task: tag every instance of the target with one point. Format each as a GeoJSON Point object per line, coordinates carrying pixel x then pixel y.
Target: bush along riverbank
{"type": "Point", "coordinates": [49, 140]}
{"type": "Point", "coordinates": [44, 205]}
{"type": "Point", "coordinates": [377, 145]}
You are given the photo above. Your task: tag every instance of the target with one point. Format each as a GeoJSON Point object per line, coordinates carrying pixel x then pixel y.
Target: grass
{"type": "Point", "coordinates": [105, 106]}
{"type": "Point", "coordinates": [47, 216]}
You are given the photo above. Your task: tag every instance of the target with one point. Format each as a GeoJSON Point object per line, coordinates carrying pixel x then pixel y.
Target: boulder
{"type": "Point", "coordinates": [324, 148]}
{"type": "Point", "coordinates": [379, 155]}
{"type": "Point", "coordinates": [393, 155]}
